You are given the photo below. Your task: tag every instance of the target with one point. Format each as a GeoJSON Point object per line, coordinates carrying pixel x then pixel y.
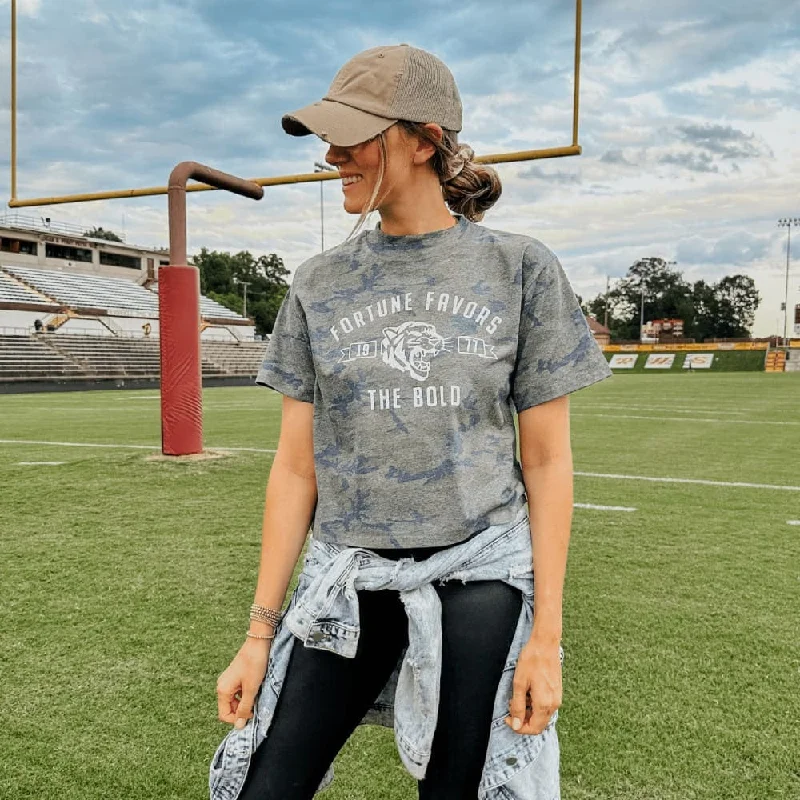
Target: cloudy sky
{"type": "Point", "coordinates": [690, 120]}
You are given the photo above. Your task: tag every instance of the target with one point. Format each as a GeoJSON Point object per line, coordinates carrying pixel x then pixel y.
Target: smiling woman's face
{"type": "Point", "coordinates": [360, 168]}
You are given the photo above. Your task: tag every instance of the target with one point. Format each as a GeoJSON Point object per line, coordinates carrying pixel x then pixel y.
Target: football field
{"type": "Point", "coordinates": [125, 585]}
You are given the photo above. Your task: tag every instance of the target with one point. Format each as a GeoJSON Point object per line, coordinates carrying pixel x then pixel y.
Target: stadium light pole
{"type": "Point", "coordinates": [641, 316]}
{"type": "Point", "coordinates": [787, 223]}
{"type": "Point", "coordinates": [322, 168]}
{"type": "Point", "coordinates": [609, 278]}
{"type": "Point", "coordinates": [244, 308]}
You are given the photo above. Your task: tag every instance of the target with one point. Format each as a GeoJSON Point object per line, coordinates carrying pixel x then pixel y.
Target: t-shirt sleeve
{"type": "Point", "coordinates": [288, 366]}
{"type": "Point", "coordinates": [556, 351]}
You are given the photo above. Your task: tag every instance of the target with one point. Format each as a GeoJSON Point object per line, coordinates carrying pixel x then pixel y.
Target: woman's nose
{"type": "Point", "coordinates": [335, 156]}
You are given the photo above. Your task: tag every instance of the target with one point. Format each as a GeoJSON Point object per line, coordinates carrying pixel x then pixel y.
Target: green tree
{"type": "Point", "coordinates": [706, 310]}
{"type": "Point", "coordinates": [102, 233]}
{"type": "Point", "coordinates": [597, 308]}
{"type": "Point", "coordinates": [264, 311]}
{"type": "Point", "coordinates": [736, 299]}
{"type": "Point", "coordinates": [724, 309]}
{"type": "Point", "coordinates": [232, 301]}
{"type": "Point", "coordinates": [222, 276]}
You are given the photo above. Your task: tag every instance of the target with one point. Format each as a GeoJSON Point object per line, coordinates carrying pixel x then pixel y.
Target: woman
{"type": "Point", "coordinates": [398, 354]}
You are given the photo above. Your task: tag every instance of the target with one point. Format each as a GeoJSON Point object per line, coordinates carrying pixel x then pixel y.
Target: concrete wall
{"type": "Point", "coordinates": [20, 319]}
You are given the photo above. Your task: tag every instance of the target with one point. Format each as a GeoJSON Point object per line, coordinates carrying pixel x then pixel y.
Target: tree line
{"type": "Point", "coordinates": [725, 309]}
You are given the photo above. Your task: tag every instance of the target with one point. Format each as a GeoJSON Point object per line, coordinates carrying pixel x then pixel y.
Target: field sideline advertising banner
{"type": "Point", "coordinates": [623, 361]}
{"type": "Point", "coordinates": [672, 348]}
{"type": "Point", "coordinates": [660, 361]}
{"type": "Point", "coordinates": [698, 361]}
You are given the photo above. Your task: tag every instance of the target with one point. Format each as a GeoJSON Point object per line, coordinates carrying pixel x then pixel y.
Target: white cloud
{"type": "Point", "coordinates": [690, 122]}
{"type": "Point", "coordinates": [25, 8]}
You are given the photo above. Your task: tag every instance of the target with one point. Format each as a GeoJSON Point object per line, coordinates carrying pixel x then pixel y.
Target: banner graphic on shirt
{"type": "Point", "coordinates": [399, 350]}
{"type": "Point", "coordinates": [474, 346]}
{"type": "Point", "coordinates": [359, 350]}
{"type": "Point", "coordinates": [467, 346]}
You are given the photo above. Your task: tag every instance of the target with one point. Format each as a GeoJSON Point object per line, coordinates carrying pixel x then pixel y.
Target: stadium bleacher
{"type": "Point", "coordinates": [108, 356]}
{"type": "Point", "coordinates": [238, 359]}
{"type": "Point", "coordinates": [64, 352]}
{"type": "Point", "coordinates": [28, 358]}
{"type": "Point", "coordinates": [12, 291]}
{"type": "Point", "coordinates": [209, 307]}
{"type": "Point", "coordinates": [46, 356]}
{"type": "Point", "coordinates": [111, 294]}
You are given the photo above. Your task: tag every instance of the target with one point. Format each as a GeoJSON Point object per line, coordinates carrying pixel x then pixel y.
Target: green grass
{"type": "Point", "coordinates": [125, 585]}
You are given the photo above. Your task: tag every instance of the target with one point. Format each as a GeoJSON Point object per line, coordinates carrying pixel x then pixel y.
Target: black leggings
{"type": "Point", "coordinates": [324, 696]}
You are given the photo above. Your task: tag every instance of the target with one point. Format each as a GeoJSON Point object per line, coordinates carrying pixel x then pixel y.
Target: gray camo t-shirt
{"type": "Point", "coordinates": [413, 349]}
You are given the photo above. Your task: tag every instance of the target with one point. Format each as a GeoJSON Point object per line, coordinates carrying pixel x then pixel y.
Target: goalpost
{"type": "Point", "coordinates": [179, 283]}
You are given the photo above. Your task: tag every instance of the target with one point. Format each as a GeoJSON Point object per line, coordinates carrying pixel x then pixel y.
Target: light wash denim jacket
{"type": "Point", "coordinates": [323, 613]}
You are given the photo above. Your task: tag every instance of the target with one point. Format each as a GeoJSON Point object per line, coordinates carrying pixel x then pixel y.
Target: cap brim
{"type": "Point", "coordinates": [335, 123]}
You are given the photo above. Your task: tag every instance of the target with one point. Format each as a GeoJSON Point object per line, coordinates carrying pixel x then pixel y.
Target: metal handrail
{"type": "Point", "coordinates": [47, 225]}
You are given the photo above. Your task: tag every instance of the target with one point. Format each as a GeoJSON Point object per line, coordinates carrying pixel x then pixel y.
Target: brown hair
{"type": "Point", "coordinates": [469, 189]}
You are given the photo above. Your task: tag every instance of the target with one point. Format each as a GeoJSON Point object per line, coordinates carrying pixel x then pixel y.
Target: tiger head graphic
{"type": "Point", "coordinates": [410, 346]}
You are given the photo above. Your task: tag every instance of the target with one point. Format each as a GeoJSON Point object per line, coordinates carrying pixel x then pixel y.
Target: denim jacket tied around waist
{"type": "Point", "coordinates": [323, 612]}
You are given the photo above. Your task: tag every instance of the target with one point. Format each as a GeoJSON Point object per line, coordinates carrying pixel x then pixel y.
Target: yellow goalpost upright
{"type": "Point", "coordinates": [179, 283]}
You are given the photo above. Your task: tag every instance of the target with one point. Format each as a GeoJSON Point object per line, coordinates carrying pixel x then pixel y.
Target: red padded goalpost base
{"type": "Point", "coordinates": [181, 371]}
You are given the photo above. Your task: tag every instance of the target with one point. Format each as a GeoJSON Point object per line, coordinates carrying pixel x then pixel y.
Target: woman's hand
{"type": "Point", "coordinates": [238, 685]}
{"type": "Point", "coordinates": [537, 686]}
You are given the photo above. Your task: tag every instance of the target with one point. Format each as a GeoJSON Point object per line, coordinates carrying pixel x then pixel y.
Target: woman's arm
{"type": "Point", "coordinates": [290, 501]}
{"type": "Point", "coordinates": [291, 498]}
{"type": "Point", "coordinates": [546, 461]}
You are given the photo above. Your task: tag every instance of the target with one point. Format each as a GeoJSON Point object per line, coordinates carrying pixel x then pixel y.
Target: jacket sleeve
{"type": "Point", "coordinates": [288, 365]}
{"type": "Point", "coordinates": [556, 351]}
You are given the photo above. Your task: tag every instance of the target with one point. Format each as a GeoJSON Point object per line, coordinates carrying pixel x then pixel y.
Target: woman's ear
{"type": "Point", "coordinates": [434, 129]}
{"type": "Point", "coordinates": [424, 148]}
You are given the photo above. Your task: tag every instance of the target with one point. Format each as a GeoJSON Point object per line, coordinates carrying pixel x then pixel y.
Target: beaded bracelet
{"type": "Point", "coordinates": [263, 614]}
{"type": "Point", "coordinates": [258, 636]}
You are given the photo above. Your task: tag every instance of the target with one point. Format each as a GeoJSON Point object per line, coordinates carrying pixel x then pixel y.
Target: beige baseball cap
{"type": "Point", "coordinates": [375, 89]}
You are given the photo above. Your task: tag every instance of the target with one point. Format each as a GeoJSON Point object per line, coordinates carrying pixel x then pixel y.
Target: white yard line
{"type": "Point", "coordinates": [700, 481]}
{"type": "Point", "coordinates": [245, 449]}
{"type": "Point", "coordinates": [82, 444]}
{"type": "Point", "coordinates": [127, 446]}
{"type": "Point", "coordinates": [676, 409]}
{"type": "Point", "coordinates": [687, 419]}
{"type": "Point", "coordinates": [137, 397]}
{"type": "Point", "coordinates": [92, 409]}
{"type": "Point", "coordinates": [137, 410]}
{"type": "Point", "coordinates": [793, 521]}
{"type": "Point", "coordinates": [42, 463]}
{"type": "Point", "coordinates": [610, 475]}
{"type": "Point", "coordinates": [603, 508]}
